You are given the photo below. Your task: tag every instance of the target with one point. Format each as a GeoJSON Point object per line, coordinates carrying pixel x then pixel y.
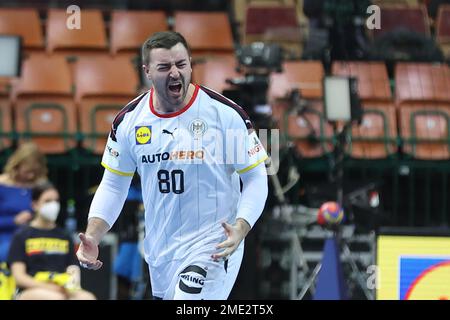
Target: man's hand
{"type": "Point", "coordinates": [88, 252]}
{"type": "Point", "coordinates": [235, 234]}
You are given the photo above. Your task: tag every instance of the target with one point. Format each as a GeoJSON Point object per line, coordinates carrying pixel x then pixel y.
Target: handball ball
{"type": "Point", "coordinates": [330, 213]}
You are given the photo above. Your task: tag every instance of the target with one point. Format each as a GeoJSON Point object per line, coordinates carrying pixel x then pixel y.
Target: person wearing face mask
{"type": "Point", "coordinates": [42, 256]}
{"type": "Point", "coordinates": [24, 169]}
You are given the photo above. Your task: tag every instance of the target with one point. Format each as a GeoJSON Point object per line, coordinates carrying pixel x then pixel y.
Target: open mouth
{"type": "Point", "coordinates": [175, 87]}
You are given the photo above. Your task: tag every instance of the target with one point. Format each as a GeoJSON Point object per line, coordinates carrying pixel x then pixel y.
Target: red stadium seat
{"type": "Point", "coordinates": [104, 85]}
{"type": "Point", "coordinates": [43, 104]}
{"type": "Point", "coordinates": [410, 18]}
{"type": "Point", "coordinates": [274, 23]}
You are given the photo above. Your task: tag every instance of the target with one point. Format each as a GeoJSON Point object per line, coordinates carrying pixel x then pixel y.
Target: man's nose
{"type": "Point", "coordinates": [174, 72]}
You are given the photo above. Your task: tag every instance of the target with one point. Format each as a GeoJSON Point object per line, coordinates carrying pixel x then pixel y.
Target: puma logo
{"type": "Point", "coordinates": [168, 132]}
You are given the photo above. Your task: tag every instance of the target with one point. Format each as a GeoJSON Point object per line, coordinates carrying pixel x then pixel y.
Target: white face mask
{"type": "Point", "coordinates": [50, 210]}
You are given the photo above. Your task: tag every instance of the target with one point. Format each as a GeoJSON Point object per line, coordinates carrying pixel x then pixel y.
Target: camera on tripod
{"type": "Point", "coordinates": [256, 61]}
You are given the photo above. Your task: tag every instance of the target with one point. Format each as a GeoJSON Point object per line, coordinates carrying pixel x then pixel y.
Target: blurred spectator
{"type": "Point", "coordinates": [23, 170]}
{"type": "Point", "coordinates": [336, 27]}
{"type": "Point", "coordinates": [42, 255]}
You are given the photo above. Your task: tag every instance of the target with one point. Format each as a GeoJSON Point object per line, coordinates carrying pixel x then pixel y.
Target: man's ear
{"type": "Point", "coordinates": [146, 71]}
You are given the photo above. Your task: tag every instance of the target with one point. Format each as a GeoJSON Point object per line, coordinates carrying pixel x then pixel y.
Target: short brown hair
{"type": "Point", "coordinates": [26, 152]}
{"type": "Point", "coordinates": [165, 40]}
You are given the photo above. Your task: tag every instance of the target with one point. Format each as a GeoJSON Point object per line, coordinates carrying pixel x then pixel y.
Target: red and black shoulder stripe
{"type": "Point", "coordinates": [217, 96]}
{"type": "Point", "coordinates": [119, 117]}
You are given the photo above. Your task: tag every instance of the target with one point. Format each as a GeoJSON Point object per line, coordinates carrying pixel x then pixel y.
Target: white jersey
{"type": "Point", "coordinates": [189, 163]}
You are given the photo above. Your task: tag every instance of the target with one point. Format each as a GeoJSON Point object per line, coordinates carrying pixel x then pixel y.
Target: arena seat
{"type": "Point", "coordinates": [129, 29]}
{"type": "Point", "coordinates": [104, 85]}
{"type": "Point", "coordinates": [307, 76]}
{"type": "Point", "coordinates": [375, 137]}
{"type": "Point", "coordinates": [214, 72]}
{"type": "Point", "coordinates": [274, 24]}
{"type": "Point", "coordinates": [422, 82]}
{"type": "Point", "coordinates": [90, 38]}
{"type": "Point", "coordinates": [206, 32]}
{"type": "Point", "coordinates": [425, 131]}
{"type": "Point", "coordinates": [443, 29]}
{"type": "Point", "coordinates": [373, 80]}
{"type": "Point", "coordinates": [24, 23]}
{"type": "Point", "coordinates": [310, 132]}
{"type": "Point", "coordinates": [43, 104]}
{"type": "Point", "coordinates": [410, 18]}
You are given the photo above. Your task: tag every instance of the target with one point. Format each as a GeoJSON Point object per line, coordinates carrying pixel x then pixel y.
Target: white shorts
{"type": "Point", "coordinates": [201, 278]}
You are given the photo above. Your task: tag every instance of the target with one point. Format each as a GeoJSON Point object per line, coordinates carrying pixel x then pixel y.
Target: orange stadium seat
{"type": "Point", "coordinates": [443, 29]}
{"type": "Point", "coordinates": [104, 85]}
{"type": "Point", "coordinates": [373, 80]}
{"type": "Point", "coordinates": [375, 137]}
{"type": "Point", "coordinates": [91, 37]}
{"type": "Point", "coordinates": [214, 72]}
{"type": "Point", "coordinates": [431, 123]}
{"type": "Point", "coordinates": [309, 130]}
{"type": "Point", "coordinates": [129, 29]}
{"type": "Point", "coordinates": [206, 32]}
{"type": "Point", "coordinates": [43, 104]}
{"type": "Point", "coordinates": [422, 82]}
{"type": "Point", "coordinates": [306, 76]}
{"type": "Point", "coordinates": [24, 23]}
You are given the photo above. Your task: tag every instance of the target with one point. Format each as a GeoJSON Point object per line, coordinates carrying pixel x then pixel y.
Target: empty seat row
{"type": "Point", "coordinates": [128, 30]}
{"type": "Point", "coordinates": [422, 133]}
{"type": "Point", "coordinates": [413, 81]}
{"type": "Point", "coordinates": [421, 97]}
{"type": "Point", "coordinates": [45, 107]}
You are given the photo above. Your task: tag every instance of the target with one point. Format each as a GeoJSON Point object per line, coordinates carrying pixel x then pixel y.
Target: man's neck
{"type": "Point", "coordinates": [162, 108]}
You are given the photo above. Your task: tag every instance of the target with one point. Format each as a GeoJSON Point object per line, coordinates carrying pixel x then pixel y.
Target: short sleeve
{"type": "Point", "coordinates": [116, 157]}
{"type": "Point", "coordinates": [72, 258]}
{"type": "Point", "coordinates": [246, 149]}
{"type": "Point", "coordinates": [17, 248]}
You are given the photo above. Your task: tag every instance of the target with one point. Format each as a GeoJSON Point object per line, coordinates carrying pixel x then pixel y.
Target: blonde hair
{"type": "Point", "coordinates": [26, 153]}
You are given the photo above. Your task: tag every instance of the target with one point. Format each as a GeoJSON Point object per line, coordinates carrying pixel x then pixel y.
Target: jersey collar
{"type": "Point", "coordinates": [172, 114]}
